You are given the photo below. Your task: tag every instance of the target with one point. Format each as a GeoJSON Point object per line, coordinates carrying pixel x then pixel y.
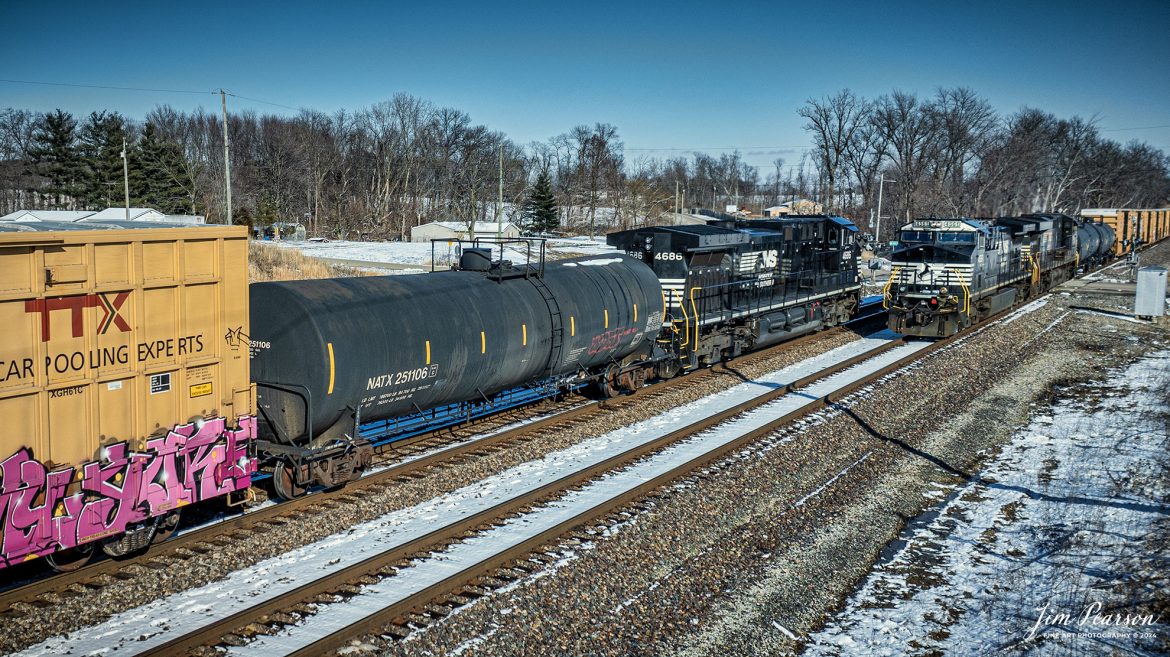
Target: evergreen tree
{"type": "Point", "coordinates": [55, 158]}
{"type": "Point", "coordinates": [165, 176]}
{"type": "Point", "coordinates": [540, 208]}
{"type": "Point", "coordinates": [101, 149]}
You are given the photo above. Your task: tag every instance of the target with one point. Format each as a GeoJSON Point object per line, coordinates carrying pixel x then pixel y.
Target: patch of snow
{"type": "Point", "coordinates": [1029, 308]}
{"type": "Point", "coordinates": [1052, 527]}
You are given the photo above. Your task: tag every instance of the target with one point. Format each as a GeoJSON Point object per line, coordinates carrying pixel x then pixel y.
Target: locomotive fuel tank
{"type": "Point", "coordinates": [382, 347]}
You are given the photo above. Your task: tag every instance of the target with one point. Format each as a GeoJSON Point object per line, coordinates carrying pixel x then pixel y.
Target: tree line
{"type": "Point", "coordinates": [378, 171]}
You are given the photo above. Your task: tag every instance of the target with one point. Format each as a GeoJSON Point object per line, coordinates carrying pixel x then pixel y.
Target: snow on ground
{"type": "Point", "coordinates": [157, 622]}
{"type": "Point", "coordinates": [1107, 273]}
{"type": "Point", "coordinates": [1029, 308]}
{"type": "Point", "coordinates": [418, 254]}
{"type": "Point", "coordinates": [1041, 553]}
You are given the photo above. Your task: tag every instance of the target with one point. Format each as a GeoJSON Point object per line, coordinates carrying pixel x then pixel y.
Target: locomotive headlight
{"type": "Point", "coordinates": [901, 288]}
{"type": "Point", "coordinates": [942, 290]}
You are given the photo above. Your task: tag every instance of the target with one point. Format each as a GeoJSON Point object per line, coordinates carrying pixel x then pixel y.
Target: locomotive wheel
{"type": "Point", "coordinates": [64, 561]}
{"type": "Point", "coordinates": [284, 481]}
{"type": "Point", "coordinates": [167, 526]}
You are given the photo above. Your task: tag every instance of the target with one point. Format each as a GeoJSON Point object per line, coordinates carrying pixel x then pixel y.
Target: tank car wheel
{"type": "Point", "coordinates": [65, 561]}
{"type": "Point", "coordinates": [167, 526]}
{"type": "Point", "coordinates": [607, 385]}
{"type": "Point", "coordinates": [284, 480]}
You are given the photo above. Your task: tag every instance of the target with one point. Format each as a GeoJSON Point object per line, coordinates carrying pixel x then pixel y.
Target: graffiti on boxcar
{"type": "Point", "coordinates": [191, 463]}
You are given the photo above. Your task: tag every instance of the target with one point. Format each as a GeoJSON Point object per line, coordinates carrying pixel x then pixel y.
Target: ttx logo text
{"type": "Point", "coordinates": [111, 305]}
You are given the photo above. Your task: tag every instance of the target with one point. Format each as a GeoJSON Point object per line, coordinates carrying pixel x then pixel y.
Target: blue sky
{"type": "Point", "coordinates": [684, 75]}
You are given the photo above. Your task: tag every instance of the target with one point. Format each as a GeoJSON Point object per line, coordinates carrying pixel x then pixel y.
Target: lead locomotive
{"type": "Point", "coordinates": [950, 273]}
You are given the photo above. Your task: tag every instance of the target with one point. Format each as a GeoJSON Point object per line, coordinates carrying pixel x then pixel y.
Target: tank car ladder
{"type": "Point", "coordinates": [558, 324]}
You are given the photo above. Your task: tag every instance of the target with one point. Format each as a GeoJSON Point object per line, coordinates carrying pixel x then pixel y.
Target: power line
{"type": "Point", "coordinates": [723, 148]}
{"type": "Point", "coordinates": [102, 86]}
{"type": "Point", "coordinates": [257, 100]}
{"type": "Point", "coordinates": [1145, 127]}
{"type": "Point", "coordinates": [168, 91]}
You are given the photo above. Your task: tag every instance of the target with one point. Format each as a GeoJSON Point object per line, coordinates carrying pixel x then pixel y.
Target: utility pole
{"type": "Point", "coordinates": [227, 163]}
{"type": "Point", "coordinates": [877, 233]}
{"type": "Point", "coordinates": [677, 200]}
{"type": "Point", "coordinates": [500, 204]}
{"type": "Point", "coordinates": [126, 177]}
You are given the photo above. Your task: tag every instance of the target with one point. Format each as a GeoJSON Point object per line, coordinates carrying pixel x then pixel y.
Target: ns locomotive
{"type": "Point", "coordinates": [950, 273]}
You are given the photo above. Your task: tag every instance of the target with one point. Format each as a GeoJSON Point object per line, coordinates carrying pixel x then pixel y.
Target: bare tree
{"type": "Point", "coordinates": [910, 131]}
{"type": "Point", "coordinates": [965, 123]}
{"type": "Point", "coordinates": [834, 121]}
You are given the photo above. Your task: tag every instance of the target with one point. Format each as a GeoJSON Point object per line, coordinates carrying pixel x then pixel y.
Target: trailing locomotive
{"type": "Point", "coordinates": [950, 273]}
{"type": "Point", "coordinates": [735, 285]}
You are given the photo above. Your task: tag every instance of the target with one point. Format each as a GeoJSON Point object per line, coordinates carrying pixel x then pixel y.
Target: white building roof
{"type": "Point", "coordinates": [47, 215]}
{"type": "Point", "coordinates": [480, 226]}
{"type": "Point", "coordinates": [184, 219]}
{"type": "Point", "coordinates": [136, 214]}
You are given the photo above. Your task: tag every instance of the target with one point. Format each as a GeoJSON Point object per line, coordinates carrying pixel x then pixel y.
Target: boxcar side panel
{"type": "Point", "coordinates": [124, 380]}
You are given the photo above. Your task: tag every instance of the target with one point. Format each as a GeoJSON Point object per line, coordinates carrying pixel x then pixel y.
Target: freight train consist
{"type": "Point", "coordinates": [139, 374]}
{"type": "Point", "coordinates": [345, 365]}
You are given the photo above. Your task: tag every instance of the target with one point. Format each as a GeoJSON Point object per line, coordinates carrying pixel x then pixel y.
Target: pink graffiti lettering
{"type": "Point", "coordinates": [191, 463]}
{"type": "Point", "coordinates": [609, 340]}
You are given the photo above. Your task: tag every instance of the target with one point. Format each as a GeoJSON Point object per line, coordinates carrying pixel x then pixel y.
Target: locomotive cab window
{"type": "Point", "coordinates": [956, 238]}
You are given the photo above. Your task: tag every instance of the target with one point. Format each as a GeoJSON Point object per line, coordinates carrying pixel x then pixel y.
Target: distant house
{"type": "Point", "coordinates": [457, 230]}
{"type": "Point", "coordinates": [799, 206]}
{"type": "Point", "coordinates": [47, 215]}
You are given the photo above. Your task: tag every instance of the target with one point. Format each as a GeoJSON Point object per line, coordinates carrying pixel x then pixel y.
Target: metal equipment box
{"type": "Point", "coordinates": [124, 377]}
{"type": "Point", "coordinates": [1150, 300]}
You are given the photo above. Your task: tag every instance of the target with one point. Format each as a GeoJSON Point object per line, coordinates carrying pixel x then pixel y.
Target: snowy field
{"type": "Point", "coordinates": [417, 255]}
{"type": "Point", "coordinates": [1046, 552]}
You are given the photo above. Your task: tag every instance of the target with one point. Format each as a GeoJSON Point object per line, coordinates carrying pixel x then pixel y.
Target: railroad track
{"type": "Point", "coordinates": [766, 411]}
{"type": "Point", "coordinates": [400, 461]}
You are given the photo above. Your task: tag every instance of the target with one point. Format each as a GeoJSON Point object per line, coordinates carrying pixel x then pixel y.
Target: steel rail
{"type": "Point", "coordinates": [272, 516]}
{"type": "Point", "coordinates": [497, 514]}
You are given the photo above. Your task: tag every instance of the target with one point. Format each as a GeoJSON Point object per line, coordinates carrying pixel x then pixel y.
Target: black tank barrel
{"type": "Point", "coordinates": [394, 344]}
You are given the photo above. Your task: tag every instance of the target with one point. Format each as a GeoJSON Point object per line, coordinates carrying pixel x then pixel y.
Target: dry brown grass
{"type": "Point", "coordinates": [273, 263]}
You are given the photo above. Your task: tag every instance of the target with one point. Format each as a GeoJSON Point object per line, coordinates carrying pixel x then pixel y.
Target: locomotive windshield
{"type": "Point", "coordinates": [927, 236]}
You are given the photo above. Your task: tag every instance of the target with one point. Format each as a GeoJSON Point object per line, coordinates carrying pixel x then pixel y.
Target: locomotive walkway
{"type": "Point", "coordinates": [489, 507]}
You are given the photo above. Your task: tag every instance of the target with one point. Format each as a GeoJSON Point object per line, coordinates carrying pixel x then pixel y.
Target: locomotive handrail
{"type": "Point", "coordinates": [886, 290]}
{"type": "Point", "coordinates": [966, 292]}
{"type": "Point", "coordinates": [695, 343]}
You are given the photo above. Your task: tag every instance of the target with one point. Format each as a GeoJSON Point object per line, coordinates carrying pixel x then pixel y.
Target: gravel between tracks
{"type": "Point", "coordinates": [750, 558]}
{"type": "Point", "coordinates": [87, 607]}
